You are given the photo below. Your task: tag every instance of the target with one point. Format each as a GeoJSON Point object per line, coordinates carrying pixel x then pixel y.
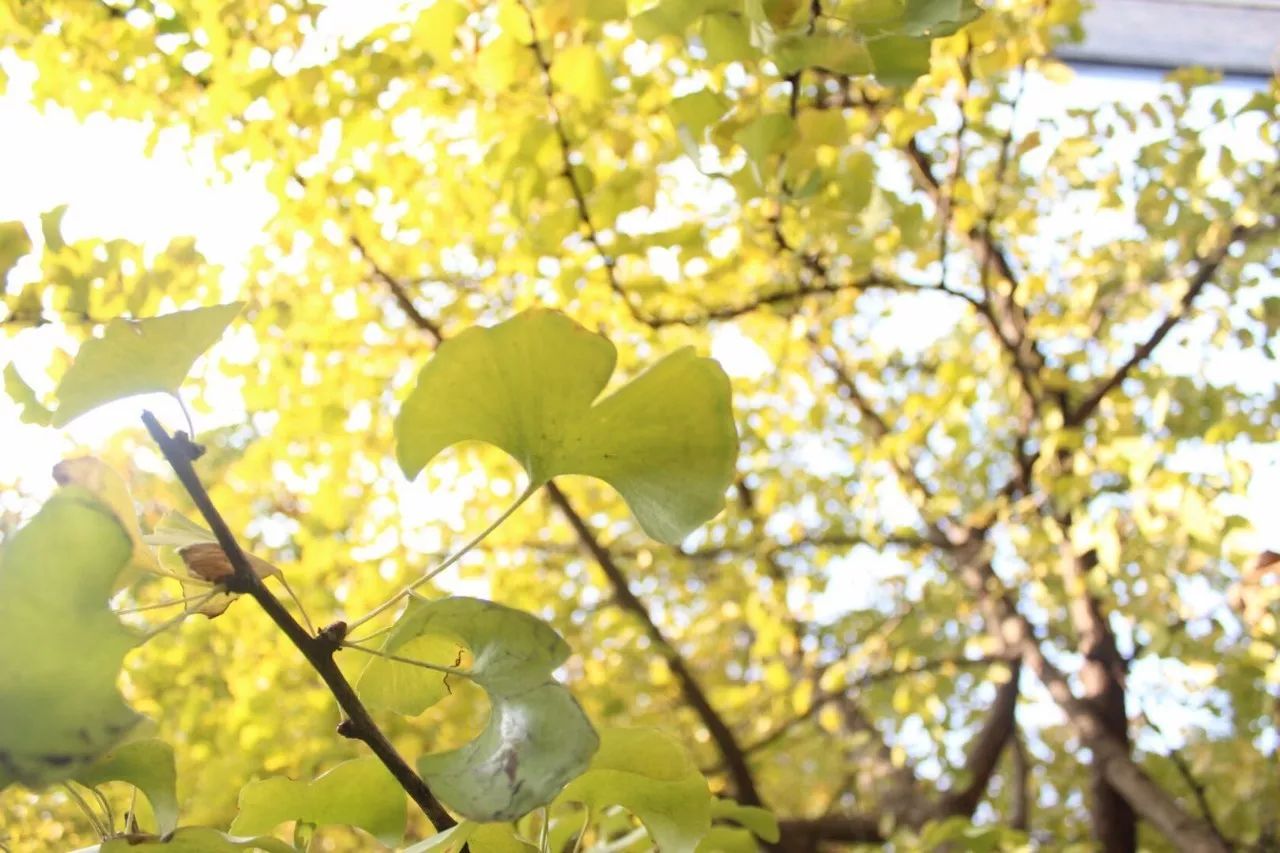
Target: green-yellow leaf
{"type": "Point", "coordinates": [359, 793]}
{"type": "Point", "coordinates": [899, 60]}
{"type": "Point", "coordinates": [191, 839]}
{"type": "Point", "coordinates": [665, 441]}
{"type": "Point", "coordinates": [148, 765]}
{"type": "Point", "coordinates": [761, 822]}
{"type": "Point", "coordinates": [59, 706]}
{"type": "Point", "coordinates": [537, 737]}
{"type": "Point", "coordinates": [100, 480]}
{"type": "Point", "coordinates": [654, 778]}
{"type": "Point", "coordinates": [33, 411]}
{"type": "Point", "coordinates": [14, 243]}
{"type": "Point", "coordinates": [580, 72]}
{"type": "Point", "coordinates": [139, 356]}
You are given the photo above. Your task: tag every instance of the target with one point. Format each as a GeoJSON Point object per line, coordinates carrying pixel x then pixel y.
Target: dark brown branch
{"type": "Point", "coordinates": [735, 758]}
{"type": "Point", "coordinates": [803, 835]}
{"type": "Point", "coordinates": [984, 754]}
{"type": "Point", "coordinates": [1006, 318]}
{"type": "Point", "coordinates": [566, 157]}
{"type": "Point", "coordinates": [319, 650]}
{"type": "Point", "coordinates": [1102, 676]}
{"type": "Point", "coordinates": [1110, 755]}
{"type": "Point", "coordinates": [1020, 809]}
{"type": "Point", "coordinates": [400, 292]}
{"type": "Point", "coordinates": [1206, 269]}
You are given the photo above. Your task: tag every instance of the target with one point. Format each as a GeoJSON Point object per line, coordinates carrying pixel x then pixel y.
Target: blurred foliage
{"type": "Point", "coordinates": [918, 294]}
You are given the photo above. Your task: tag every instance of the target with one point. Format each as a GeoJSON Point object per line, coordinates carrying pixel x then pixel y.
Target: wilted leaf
{"type": "Point", "coordinates": [203, 558]}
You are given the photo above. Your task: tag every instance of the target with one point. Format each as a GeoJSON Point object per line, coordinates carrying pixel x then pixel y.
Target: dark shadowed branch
{"type": "Point", "coordinates": [318, 649]}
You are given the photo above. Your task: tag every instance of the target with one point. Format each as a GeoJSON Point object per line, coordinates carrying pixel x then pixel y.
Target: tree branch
{"type": "Point", "coordinates": [319, 650]}
{"type": "Point", "coordinates": [984, 753]}
{"type": "Point", "coordinates": [1206, 268]}
{"type": "Point", "coordinates": [400, 292]}
{"type": "Point", "coordinates": [735, 758]}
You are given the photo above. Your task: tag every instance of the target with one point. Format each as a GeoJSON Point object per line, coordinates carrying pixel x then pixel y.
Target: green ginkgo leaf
{"type": "Point", "coordinates": [666, 440]}
{"type": "Point", "coordinates": [139, 357]}
{"type": "Point", "coordinates": [476, 837]}
{"type": "Point", "coordinates": [22, 394]}
{"type": "Point", "coordinates": [148, 765]}
{"type": "Point", "coordinates": [190, 839]}
{"type": "Point", "coordinates": [14, 243]}
{"type": "Point", "coordinates": [360, 793]}
{"type": "Point", "coordinates": [60, 709]}
{"type": "Point", "coordinates": [654, 778]}
{"type": "Point", "coordinates": [537, 737]}
{"type": "Point", "coordinates": [106, 485]}
{"type": "Point", "coordinates": [762, 822]}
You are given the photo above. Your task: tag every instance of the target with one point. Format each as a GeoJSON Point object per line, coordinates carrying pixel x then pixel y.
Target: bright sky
{"type": "Point", "coordinates": [114, 190]}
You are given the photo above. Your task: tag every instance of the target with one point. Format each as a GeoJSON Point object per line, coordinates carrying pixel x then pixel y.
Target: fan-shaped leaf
{"type": "Point", "coordinates": [190, 839]}
{"type": "Point", "coordinates": [104, 483]}
{"type": "Point", "coordinates": [536, 739]}
{"type": "Point", "coordinates": [59, 706]}
{"type": "Point", "coordinates": [665, 441]}
{"type": "Point", "coordinates": [653, 777]}
{"type": "Point", "coordinates": [359, 793]}
{"type": "Point", "coordinates": [147, 765]}
{"type": "Point", "coordinates": [139, 356]}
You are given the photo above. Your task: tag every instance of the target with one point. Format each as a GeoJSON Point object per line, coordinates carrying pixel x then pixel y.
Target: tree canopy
{"type": "Point", "coordinates": [912, 511]}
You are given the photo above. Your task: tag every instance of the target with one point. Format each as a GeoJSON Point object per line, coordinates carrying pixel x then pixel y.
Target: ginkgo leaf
{"type": "Point", "coordinates": [653, 777]}
{"type": "Point", "coordinates": [477, 837]}
{"type": "Point", "coordinates": [190, 839]}
{"type": "Point", "coordinates": [511, 651]}
{"type": "Point", "coordinates": [360, 793]}
{"type": "Point", "coordinates": [534, 743]}
{"type": "Point", "coordinates": [762, 822]}
{"type": "Point", "coordinates": [33, 411]}
{"type": "Point", "coordinates": [666, 440]}
{"type": "Point", "coordinates": [104, 483]}
{"type": "Point", "coordinates": [139, 356]}
{"type": "Point", "coordinates": [148, 765]}
{"type": "Point", "coordinates": [537, 737]}
{"type": "Point", "coordinates": [59, 706]}
{"type": "Point", "coordinates": [14, 243]}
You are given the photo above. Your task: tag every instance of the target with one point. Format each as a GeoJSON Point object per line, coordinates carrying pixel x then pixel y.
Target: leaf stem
{"type": "Point", "coordinates": [450, 560]}
{"type": "Point", "coordinates": [88, 812]}
{"type": "Point", "coordinates": [438, 667]}
{"type": "Point", "coordinates": [182, 617]}
{"type": "Point", "coordinates": [106, 809]}
{"type": "Point", "coordinates": [163, 604]}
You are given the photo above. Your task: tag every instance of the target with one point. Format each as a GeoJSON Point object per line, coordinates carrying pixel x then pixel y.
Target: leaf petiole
{"type": "Point", "coordinates": [447, 670]}
{"type": "Point", "coordinates": [451, 559]}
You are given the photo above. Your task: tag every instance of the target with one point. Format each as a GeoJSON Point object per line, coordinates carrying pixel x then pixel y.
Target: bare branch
{"type": "Point", "coordinates": [319, 649]}
{"type": "Point", "coordinates": [984, 753]}
{"type": "Point", "coordinates": [400, 292]}
{"type": "Point", "coordinates": [735, 758]}
{"type": "Point", "coordinates": [1206, 268]}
